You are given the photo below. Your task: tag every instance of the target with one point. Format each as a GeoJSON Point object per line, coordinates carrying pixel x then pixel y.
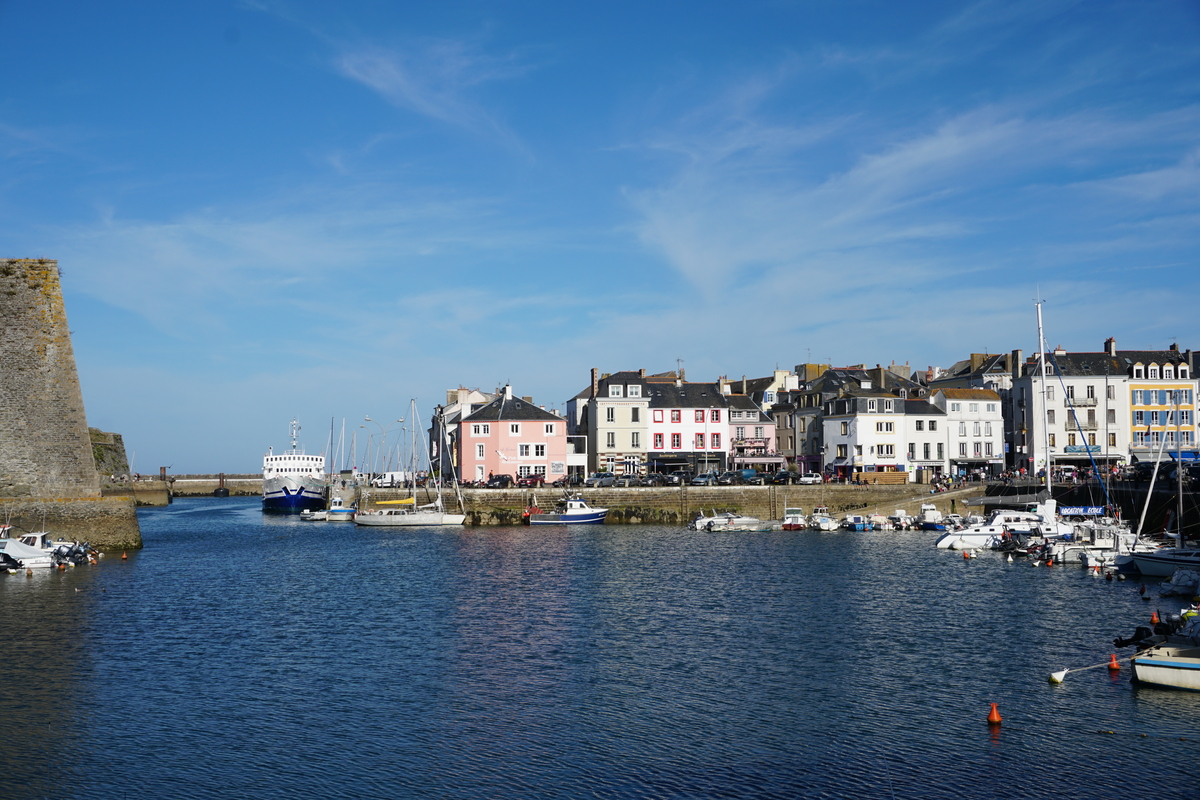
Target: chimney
{"type": "Point", "coordinates": [1174, 348]}
{"type": "Point", "coordinates": [682, 374]}
{"type": "Point", "coordinates": [595, 381]}
{"type": "Point", "coordinates": [1017, 362]}
{"type": "Point", "coordinates": [507, 392]}
{"type": "Point", "coordinates": [977, 360]}
{"type": "Point", "coordinates": [743, 384]}
{"type": "Point", "coordinates": [1110, 346]}
{"type": "Point", "coordinates": [642, 372]}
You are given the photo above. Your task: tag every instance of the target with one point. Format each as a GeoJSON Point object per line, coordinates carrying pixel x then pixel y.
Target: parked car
{"type": "Point", "coordinates": [810, 478]}
{"type": "Point", "coordinates": [628, 480]}
{"type": "Point", "coordinates": [500, 482]}
{"type": "Point", "coordinates": [600, 479]}
{"type": "Point", "coordinates": [679, 476]}
{"type": "Point", "coordinates": [782, 478]}
{"type": "Point", "coordinates": [705, 479]}
{"type": "Point", "coordinates": [532, 480]}
{"type": "Point", "coordinates": [657, 479]}
{"type": "Point", "coordinates": [569, 480]}
{"type": "Point", "coordinates": [731, 478]}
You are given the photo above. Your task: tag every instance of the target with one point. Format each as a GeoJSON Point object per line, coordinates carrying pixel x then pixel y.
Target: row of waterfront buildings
{"type": "Point", "coordinates": [984, 415]}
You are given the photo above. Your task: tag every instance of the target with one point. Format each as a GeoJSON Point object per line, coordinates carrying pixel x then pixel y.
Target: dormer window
{"type": "Point", "coordinates": [1153, 372]}
{"type": "Point", "coordinates": [870, 405]}
{"type": "Point", "coordinates": [614, 390]}
{"type": "Point", "coordinates": [634, 390]}
{"type": "Point", "coordinates": [1183, 372]}
{"type": "Point", "coordinates": [1137, 372]}
{"type": "Point", "coordinates": [1168, 372]}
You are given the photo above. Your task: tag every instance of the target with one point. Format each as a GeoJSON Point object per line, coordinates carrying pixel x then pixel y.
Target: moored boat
{"type": "Point", "coordinates": [716, 522]}
{"type": "Point", "coordinates": [293, 481]}
{"type": "Point", "coordinates": [406, 514]}
{"type": "Point", "coordinates": [338, 511]}
{"type": "Point", "coordinates": [569, 511]}
{"type": "Point", "coordinates": [794, 519]}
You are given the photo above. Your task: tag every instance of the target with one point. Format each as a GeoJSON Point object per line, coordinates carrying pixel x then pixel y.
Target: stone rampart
{"type": "Point", "coordinates": [45, 450]}
{"type": "Point", "coordinates": [678, 505]}
{"type": "Point", "coordinates": [108, 523]}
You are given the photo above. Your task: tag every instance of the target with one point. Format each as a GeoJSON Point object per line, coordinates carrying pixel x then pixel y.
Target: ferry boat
{"type": "Point", "coordinates": [292, 481]}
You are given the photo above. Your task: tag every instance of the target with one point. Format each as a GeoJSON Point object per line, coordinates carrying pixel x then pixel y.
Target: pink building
{"type": "Point", "coordinates": [514, 437]}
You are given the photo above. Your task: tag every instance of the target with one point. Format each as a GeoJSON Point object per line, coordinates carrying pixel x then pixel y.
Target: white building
{"type": "Point", "coordinates": [974, 429]}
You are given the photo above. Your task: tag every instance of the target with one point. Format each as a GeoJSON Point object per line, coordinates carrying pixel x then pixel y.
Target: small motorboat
{"type": "Point", "coordinates": [794, 519]}
{"type": "Point", "coordinates": [716, 522]}
{"type": "Point", "coordinates": [570, 511]}
{"type": "Point", "coordinates": [313, 515]}
{"type": "Point", "coordinates": [338, 511]}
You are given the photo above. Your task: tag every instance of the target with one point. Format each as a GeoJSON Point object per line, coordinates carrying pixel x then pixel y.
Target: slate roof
{"type": "Point", "coordinates": [688, 395]}
{"type": "Point", "coordinates": [511, 409]}
{"type": "Point", "coordinates": [969, 394]}
{"type": "Point", "coordinates": [921, 408]}
{"type": "Point", "coordinates": [1101, 364]}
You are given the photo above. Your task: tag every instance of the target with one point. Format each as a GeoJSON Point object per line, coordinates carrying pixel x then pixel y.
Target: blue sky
{"type": "Point", "coordinates": [274, 209]}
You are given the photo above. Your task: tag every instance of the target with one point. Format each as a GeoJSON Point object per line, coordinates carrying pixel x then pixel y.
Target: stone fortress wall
{"type": "Point", "coordinates": [47, 467]}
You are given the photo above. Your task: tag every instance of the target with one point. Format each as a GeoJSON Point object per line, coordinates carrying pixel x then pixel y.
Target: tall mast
{"type": "Point", "coordinates": [1045, 406]}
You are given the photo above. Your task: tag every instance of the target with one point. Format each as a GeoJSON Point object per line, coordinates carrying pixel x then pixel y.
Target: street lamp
{"type": "Point", "coordinates": [383, 435]}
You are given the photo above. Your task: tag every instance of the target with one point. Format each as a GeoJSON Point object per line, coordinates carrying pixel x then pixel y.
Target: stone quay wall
{"type": "Point", "coordinates": [107, 523]}
{"type": "Point", "coordinates": [45, 449]}
{"type": "Point", "coordinates": [679, 505]}
{"type": "Point", "coordinates": [203, 485]}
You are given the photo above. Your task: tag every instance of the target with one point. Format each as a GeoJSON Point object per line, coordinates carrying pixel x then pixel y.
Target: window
{"type": "Point", "coordinates": [611, 437]}
{"type": "Point", "coordinates": [634, 390]}
{"type": "Point", "coordinates": [956, 406]}
{"type": "Point", "coordinates": [1112, 416]}
{"type": "Point", "coordinates": [802, 424]}
{"type": "Point", "coordinates": [1137, 372]}
{"type": "Point", "coordinates": [481, 430]}
{"type": "Point", "coordinates": [658, 415]}
{"type": "Point", "coordinates": [1091, 439]}
{"type": "Point", "coordinates": [676, 415]}
{"type": "Point", "coordinates": [845, 429]}
{"type": "Point", "coordinates": [1155, 418]}
{"type": "Point", "coordinates": [886, 450]}
{"type": "Point", "coordinates": [1153, 372]}
{"type": "Point", "coordinates": [1050, 416]}
{"type": "Point", "coordinates": [610, 414]}
{"type": "Point", "coordinates": [1136, 397]}
{"type": "Point", "coordinates": [987, 448]}
{"type": "Point", "coordinates": [1049, 392]}
{"type": "Point", "coordinates": [962, 429]}
{"type": "Point", "coordinates": [870, 405]}
{"type": "Point", "coordinates": [858, 449]}
{"type": "Point", "coordinates": [920, 424]}
{"type": "Point", "coordinates": [973, 408]}
{"type": "Point", "coordinates": [479, 451]}
{"type": "Point", "coordinates": [514, 428]}
{"type": "Point", "coordinates": [1139, 418]}
{"type": "Point", "coordinates": [991, 407]}
{"type": "Point", "coordinates": [635, 440]}
{"type": "Point", "coordinates": [539, 451]}
{"type": "Point", "coordinates": [658, 441]}
{"type": "Point", "coordinates": [978, 449]}
{"type": "Point", "coordinates": [941, 452]}
{"type": "Point", "coordinates": [1070, 440]}
{"type": "Point", "coordinates": [933, 424]}
{"type": "Point", "coordinates": [912, 451]}
{"type": "Point", "coordinates": [962, 449]}
{"type": "Point", "coordinates": [1052, 440]}
{"type": "Point", "coordinates": [700, 416]}
{"type": "Point", "coordinates": [1112, 440]}
{"type": "Point", "coordinates": [987, 429]}
{"type": "Point", "coordinates": [1183, 372]}
{"type": "Point", "coordinates": [539, 469]}
{"type": "Point", "coordinates": [759, 432]}
{"type": "Point", "coordinates": [635, 414]}
{"type": "Point", "coordinates": [1185, 418]}
{"type": "Point", "coordinates": [1091, 392]}
{"type": "Point", "coordinates": [884, 427]}
{"type": "Point", "coordinates": [925, 450]}
{"type": "Point", "coordinates": [1111, 392]}
{"type": "Point", "coordinates": [714, 415]}
{"type": "Point", "coordinates": [676, 440]}
{"type": "Point", "coordinates": [887, 406]}
{"type": "Point", "coordinates": [975, 429]}
{"type": "Point", "coordinates": [522, 472]}
{"type": "Point", "coordinates": [699, 441]}
{"type": "Point", "coordinates": [714, 441]}
{"type": "Point", "coordinates": [523, 450]}
{"type": "Point", "coordinates": [614, 391]}
{"type": "Point", "coordinates": [841, 451]}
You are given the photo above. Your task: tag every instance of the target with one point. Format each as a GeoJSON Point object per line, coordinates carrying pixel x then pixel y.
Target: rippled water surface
{"type": "Point", "coordinates": [243, 656]}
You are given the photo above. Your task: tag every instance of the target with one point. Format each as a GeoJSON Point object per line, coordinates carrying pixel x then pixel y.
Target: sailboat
{"type": "Point", "coordinates": [405, 512]}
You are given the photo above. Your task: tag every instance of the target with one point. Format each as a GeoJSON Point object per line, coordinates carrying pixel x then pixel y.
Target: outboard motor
{"type": "Point", "coordinates": [1141, 633]}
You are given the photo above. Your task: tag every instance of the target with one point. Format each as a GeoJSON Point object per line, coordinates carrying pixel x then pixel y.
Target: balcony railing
{"type": "Point", "coordinates": [1079, 402]}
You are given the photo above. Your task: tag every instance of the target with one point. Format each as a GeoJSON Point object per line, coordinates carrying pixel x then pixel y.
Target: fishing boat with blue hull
{"type": "Point", "coordinates": [571, 511]}
{"type": "Point", "coordinates": [293, 482]}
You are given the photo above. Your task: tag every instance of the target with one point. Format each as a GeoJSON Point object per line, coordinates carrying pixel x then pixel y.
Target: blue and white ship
{"type": "Point", "coordinates": [292, 481]}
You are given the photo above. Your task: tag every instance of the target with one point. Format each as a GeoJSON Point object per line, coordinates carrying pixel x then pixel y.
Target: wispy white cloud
{"type": "Point", "coordinates": [434, 78]}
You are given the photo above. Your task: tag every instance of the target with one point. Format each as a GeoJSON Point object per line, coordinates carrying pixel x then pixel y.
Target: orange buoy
{"type": "Point", "coordinates": [1049, 562]}
{"type": "Point", "coordinates": [1154, 618]}
{"type": "Point", "coordinates": [994, 717]}
{"type": "Point", "coordinates": [124, 556]}
{"type": "Point", "coordinates": [966, 554]}
{"type": "Point", "coordinates": [1112, 663]}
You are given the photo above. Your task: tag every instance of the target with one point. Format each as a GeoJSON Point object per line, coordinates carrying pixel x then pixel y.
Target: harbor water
{"type": "Point", "coordinates": [240, 655]}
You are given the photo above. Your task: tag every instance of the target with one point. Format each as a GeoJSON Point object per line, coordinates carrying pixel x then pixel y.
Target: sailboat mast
{"type": "Point", "coordinates": [1045, 405]}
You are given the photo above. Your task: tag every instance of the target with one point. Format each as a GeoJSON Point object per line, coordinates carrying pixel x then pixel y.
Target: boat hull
{"type": "Point", "coordinates": [1163, 565]}
{"type": "Point", "coordinates": [1169, 667]}
{"type": "Point", "coordinates": [409, 519]}
{"type": "Point", "coordinates": [289, 496]}
{"type": "Point", "coordinates": [594, 517]}
{"type": "Point", "coordinates": [340, 515]}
